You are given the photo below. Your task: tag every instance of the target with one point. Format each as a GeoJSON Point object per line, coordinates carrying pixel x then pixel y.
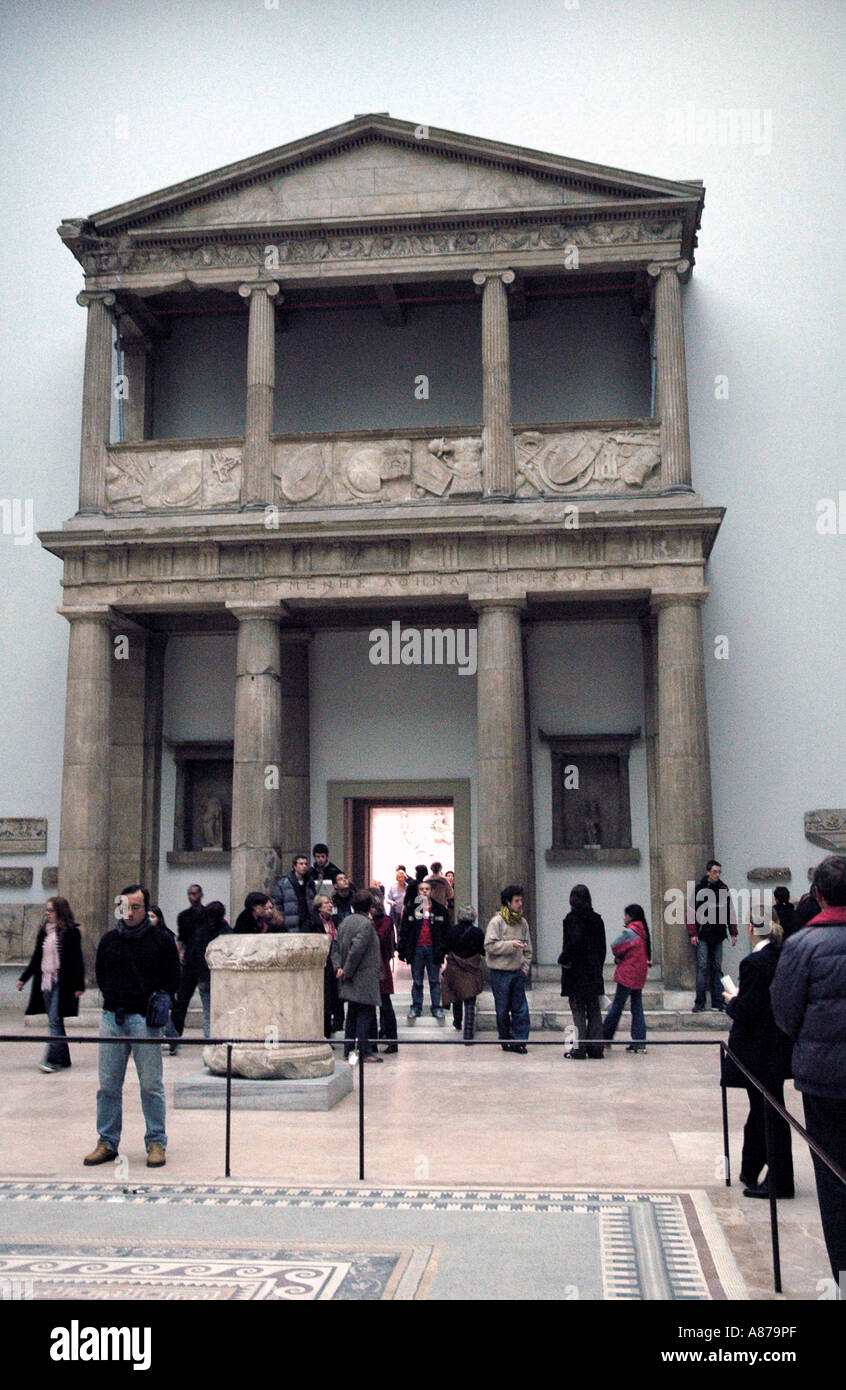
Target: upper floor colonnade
{"type": "Point", "coordinates": [251, 458]}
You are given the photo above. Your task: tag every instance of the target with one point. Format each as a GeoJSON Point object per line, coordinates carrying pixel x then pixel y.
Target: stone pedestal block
{"type": "Point", "coordinates": [269, 987]}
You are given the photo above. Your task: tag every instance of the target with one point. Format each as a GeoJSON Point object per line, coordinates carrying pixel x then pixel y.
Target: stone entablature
{"type": "Point", "coordinates": [375, 467]}
{"type": "Point", "coordinates": [532, 549]}
{"type": "Point", "coordinates": [298, 255]}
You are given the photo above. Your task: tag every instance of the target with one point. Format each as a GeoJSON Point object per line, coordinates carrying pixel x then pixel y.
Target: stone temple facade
{"type": "Point", "coordinates": [390, 373]}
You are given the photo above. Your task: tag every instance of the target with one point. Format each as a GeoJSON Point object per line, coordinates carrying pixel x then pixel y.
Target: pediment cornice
{"type": "Point", "coordinates": [381, 175]}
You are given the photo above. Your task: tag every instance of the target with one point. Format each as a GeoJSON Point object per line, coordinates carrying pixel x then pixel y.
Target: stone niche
{"type": "Point", "coordinates": [269, 987]}
{"type": "Point", "coordinates": [202, 821]}
{"type": "Point", "coordinates": [591, 808]}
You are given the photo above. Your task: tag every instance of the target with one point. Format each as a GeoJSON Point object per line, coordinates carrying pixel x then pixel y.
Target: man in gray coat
{"type": "Point", "coordinates": [809, 1004]}
{"type": "Point", "coordinates": [357, 961]}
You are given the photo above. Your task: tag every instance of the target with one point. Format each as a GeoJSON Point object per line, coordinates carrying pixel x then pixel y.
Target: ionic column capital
{"type": "Point", "coordinates": [270, 287]}
{"type": "Point", "coordinates": [86, 297]}
{"type": "Point", "coordinates": [480, 277]}
{"type": "Point", "coordinates": [655, 268]}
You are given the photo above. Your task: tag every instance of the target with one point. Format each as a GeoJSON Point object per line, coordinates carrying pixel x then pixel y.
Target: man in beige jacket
{"type": "Point", "coordinates": [508, 955]}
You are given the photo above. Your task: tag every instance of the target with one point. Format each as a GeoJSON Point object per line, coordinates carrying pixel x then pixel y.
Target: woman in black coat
{"type": "Point", "coordinates": [581, 960]}
{"type": "Point", "coordinates": [765, 1051]}
{"type": "Point", "coordinates": [58, 978]}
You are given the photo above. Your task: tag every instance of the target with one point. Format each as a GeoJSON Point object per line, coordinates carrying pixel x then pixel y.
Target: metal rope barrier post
{"type": "Point", "coordinates": [359, 1061]}
{"type": "Point", "coordinates": [771, 1187]}
{"type": "Point", "coordinates": [726, 1155]}
{"type": "Point", "coordinates": [228, 1105]}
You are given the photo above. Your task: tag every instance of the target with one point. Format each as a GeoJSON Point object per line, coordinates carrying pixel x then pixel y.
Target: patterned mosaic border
{"type": "Point", "coordinates": [652, 1246]}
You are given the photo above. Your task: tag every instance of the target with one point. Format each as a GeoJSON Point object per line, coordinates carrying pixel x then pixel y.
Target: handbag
{"type": "Point", "coordinates": [158, 1008]}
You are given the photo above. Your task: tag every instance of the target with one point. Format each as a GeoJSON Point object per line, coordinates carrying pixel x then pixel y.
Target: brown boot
{"type": "Point", "coordinates": [102, 1154]}
{"type": "Point", "coordinates": [156, 1156]}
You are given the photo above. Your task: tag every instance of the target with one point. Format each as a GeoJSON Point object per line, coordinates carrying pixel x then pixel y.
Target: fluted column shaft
{"type": "Point", "coordinates": [256, 477]}
{"type": "Point", "coordinates": [84, 828]}
{"type": "Point", "coordinates": [256, 800]}
{"type": "Point", "coordinates": [497, 435]}
{"type": "Point", "coordinates": [504, 828]}
{"type": "Point", "coordinates": [671, 376]}
{"type": "Point", "coordinates": [685, 822]}
{"type": "Point", "coordinates": [96, 400]}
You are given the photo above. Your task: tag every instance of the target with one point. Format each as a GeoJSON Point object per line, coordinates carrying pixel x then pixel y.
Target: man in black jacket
{"type": "Point", "coordinates": [134, 960]}
{"type": "Point", "coordinates": [710, 920]}
{"type": "Point", "coordinates": [809, 1004]}
{"type": "Point", "coordinates": [190, 918]}
{"type": "Point", "coordinates": [422, 943]}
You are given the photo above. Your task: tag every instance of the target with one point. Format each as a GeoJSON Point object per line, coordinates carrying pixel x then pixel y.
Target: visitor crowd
{"type": "Point", "coordinates": [788, 1010]}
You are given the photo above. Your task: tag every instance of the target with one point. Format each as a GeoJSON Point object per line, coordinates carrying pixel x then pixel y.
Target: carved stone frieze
{"type": "Point", "coordinates": [23, 835]}
{"type": "Point", "coordinates": [576, 460]}
{"type": "Point", "coordinates": [307, 249]}
{"type": "Point", "coordinates": [15, 878]}
{"type": "Point", "coordinates": [168, 480]}
{"type": "Point", "coordinates": [766, 875]}
{"type": "Point", "coordinates": [827, 829]}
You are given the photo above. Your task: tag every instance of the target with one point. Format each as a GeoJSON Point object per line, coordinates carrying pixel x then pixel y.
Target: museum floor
{"type": "Point", "coordinates": [487, 1175]}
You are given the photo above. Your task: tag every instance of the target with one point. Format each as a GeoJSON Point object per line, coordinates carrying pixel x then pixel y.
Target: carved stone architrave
{"type": "Point", "coordinates": [769, 875]}
{"type": "Point", "coordinates": [318, 248]}
{"type": "Point", "coordinates": [827, 829]}
{"type": "Point", "coordinates": [23, 835]}
{"type": "Point", "coordinates": [15, 878]}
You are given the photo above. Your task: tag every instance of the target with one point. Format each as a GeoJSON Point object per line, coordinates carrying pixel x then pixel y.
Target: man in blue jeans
{"type": "Point", "coordinates": [508, 955]}
{"type": "Point", "coordinates": [133, 961]}
{"type": "Point", "coordinates": [710, 919]}
{"type": "Point", "coordinates": [422, 943]}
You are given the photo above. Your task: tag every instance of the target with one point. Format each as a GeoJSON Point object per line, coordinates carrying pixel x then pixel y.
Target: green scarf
{"type": "Point", "coordinates": [511, 919]}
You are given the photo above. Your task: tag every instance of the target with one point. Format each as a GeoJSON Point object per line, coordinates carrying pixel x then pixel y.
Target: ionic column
{"type": "Point", "coordinates": [671, 375]}
{"type": "Point", "coordinates": [504, 827]}
{"type": "Point", "coordinates": [497, 435]}
{"type": "Point", "coordinates": [256, 477]}
{"type": "Point", "coordinates": [84, 829]}
{"type": "Point", "coordinates": [256, 796]}
{"type": "Point", "coordinates": [96, 400]}
{"type": "Point", "coordinates": [685, 822]}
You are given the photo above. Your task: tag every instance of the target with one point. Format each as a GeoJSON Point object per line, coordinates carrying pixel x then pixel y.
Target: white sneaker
{"type": "Point", "coordinates": [47, 1066]}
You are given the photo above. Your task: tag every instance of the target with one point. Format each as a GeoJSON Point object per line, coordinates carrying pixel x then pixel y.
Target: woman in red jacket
{"type": "Point", "coordinates": [632, 952]}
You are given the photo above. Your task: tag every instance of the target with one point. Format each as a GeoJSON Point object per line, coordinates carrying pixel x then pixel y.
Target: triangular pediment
{"type": "Point", "coordinates": [377, 168]}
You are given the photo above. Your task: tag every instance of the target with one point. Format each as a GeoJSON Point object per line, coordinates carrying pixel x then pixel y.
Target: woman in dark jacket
{"type": "Point", "coordinates": [761, 1046]}
{"type": "Point", "coordinates": [462, 980]}
{"type": "Point", "coordinates": [581, 960]}
{"type": "Point", "coordinates": [58, 978]}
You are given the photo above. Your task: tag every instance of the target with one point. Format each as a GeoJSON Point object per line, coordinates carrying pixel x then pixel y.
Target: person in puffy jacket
{"type": "Point", "coordinates": [633, 954]}
{"type": "Point", "coordinates": [808, 997]}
